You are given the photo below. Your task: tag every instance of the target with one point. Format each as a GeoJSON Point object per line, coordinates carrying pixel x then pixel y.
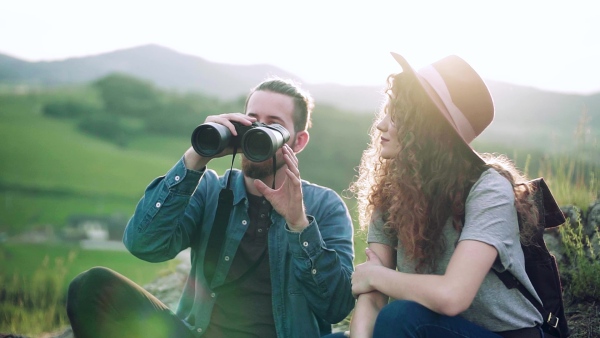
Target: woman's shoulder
{"type": "Point", "coordinates": [492, 182]}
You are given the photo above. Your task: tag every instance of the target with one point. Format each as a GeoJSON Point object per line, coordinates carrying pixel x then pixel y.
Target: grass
{"type": "Point", "coordinates": [584, 268]}
{"type": "Point", "coordinates": [49, 207]}
{"type": "Point", "coordinates": [34, 279]}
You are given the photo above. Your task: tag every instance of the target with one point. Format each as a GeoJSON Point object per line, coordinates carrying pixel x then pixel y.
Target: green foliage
{"type": "Point", "coordinates": [104, 126]}
{"type": "Point", "coordinates": [124, 95]}
{"type": "Point", "coordinates": [130, 107]}
{"type": "Point", "coordinates": [583, 272]}
{"type": "Point", "coordinates": [68, 109]}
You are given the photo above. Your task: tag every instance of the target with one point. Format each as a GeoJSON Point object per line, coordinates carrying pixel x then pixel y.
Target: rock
{"type": "Point", "coordinates": [66, 333]}
{"type": "Point", "coordinates": [592, 224]}
{"type": "Point", "coordinates": [554, 244]}
{"type": "Point", "coordinates": [572, 214]}
{"type": "Point", "coordinates": [168, 288]}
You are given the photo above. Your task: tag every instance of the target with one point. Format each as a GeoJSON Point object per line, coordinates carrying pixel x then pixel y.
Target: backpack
{"type": "Point", "coordinates": [541, 266]}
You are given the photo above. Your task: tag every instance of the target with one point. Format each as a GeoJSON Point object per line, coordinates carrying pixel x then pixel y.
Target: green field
{"type": "Point", "coordinates": [50, 170]}
{"type": "Point", "coordinates": [25, 259]}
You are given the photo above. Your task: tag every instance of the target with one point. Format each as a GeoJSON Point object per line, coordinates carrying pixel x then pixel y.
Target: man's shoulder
{"type": "Point", "coordinates": [316, 188]}
{"type": "Point", "coordinates": [317, 193]}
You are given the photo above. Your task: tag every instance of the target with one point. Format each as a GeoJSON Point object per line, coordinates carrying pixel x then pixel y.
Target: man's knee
{"type": "Point", "coordinates": [86, 285]}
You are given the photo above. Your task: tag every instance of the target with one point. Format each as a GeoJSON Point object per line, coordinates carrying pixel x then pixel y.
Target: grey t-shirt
{"type": "Point", "coordinates": [491, 217]}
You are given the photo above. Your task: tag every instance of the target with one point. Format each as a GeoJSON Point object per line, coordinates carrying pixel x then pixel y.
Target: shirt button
{"type": "Point", "coordinates": [259, 230]}
{"type": "Point", "coordinates": [227, 258]}
{"type": "Point", "coordinates": [305, 243]}
{"type": "Point", "coordinates": [158, 204]}
{"type": "Point", "coordinates": [263, 215]}
{"type": "Point", "coordinates": [177, 178]}
{"type": "Point", "coordinates": [213, 295]}
{"type": "Point", "coordinates": [244, 222]}
{"type": "Point", "coordinates": [199, 329]}
{"type": "Point", "coordinates": [314, 271]}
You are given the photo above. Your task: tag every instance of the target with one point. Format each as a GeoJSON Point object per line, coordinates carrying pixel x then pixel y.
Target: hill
{"type": "Point", "coordinates": [523, 115]}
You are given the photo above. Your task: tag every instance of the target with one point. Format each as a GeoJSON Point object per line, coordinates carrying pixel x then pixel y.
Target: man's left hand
{"type": "Point", "coordinates": [287, 199]}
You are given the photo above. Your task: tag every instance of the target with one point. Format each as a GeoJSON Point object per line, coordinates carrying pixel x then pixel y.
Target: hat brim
{"type": "Point", "coordinates": [435, 99]}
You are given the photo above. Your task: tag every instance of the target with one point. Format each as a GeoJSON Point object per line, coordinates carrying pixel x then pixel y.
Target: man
{"type": "Point", "coordinates": [286, 259]}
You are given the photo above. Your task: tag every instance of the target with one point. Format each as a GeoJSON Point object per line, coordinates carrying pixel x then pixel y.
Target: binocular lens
{"type": "Point", "coordinates": [207, 139]}
{"type": "Point", "coordinates": [258, 145]}
{"type": "Point", "coordinates": [210, 139]}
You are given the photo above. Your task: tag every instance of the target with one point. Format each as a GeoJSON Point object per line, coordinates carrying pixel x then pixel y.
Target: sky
{"type": "Point", "coordinates": [551, 45]}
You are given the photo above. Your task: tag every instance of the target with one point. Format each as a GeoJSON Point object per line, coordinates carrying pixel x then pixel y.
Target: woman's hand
{"type": "Point", "coordinates": [365, 272]}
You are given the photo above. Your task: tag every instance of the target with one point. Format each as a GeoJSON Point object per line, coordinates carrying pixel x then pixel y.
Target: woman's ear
{"type": "Point", "coordinates": [302, 138]}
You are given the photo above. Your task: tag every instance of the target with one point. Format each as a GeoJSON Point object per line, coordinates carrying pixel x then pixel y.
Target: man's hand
{"type": "Point", "coordinates": [287, 199]}
{"type": "Point", "coordinates": [194, 161]}
{"type": "Point", "coordinates": [226, 119]}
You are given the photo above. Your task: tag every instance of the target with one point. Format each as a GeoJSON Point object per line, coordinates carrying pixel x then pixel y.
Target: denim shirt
{"type": "Point", "coordinates": [310, 270]}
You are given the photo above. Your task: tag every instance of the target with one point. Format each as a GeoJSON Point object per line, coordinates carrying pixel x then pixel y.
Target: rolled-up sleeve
{"type": "Point", "coordinates": [164, 220]}
{"type": "Point", "coordinates": [322, 255]}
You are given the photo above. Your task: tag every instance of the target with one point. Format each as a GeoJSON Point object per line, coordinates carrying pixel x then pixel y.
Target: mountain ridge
{"type": "Point", "coordinates": [518, 108]}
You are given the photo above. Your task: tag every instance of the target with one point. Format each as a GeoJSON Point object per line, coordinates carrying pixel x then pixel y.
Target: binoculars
{"type": "Point", "coordinates": [258, 142]}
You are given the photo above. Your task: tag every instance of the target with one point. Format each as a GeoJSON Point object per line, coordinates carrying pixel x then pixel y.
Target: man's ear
{"type": "Point", "coordinates": [302, 138]}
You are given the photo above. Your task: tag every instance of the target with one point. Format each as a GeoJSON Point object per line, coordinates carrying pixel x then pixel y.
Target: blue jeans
{"type": "Point", "coordinates": [404, 318]}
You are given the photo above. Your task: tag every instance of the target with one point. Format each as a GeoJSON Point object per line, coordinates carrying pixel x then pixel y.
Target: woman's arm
{"type": "Point", "coordinates": [448, 294]}
{"type": "Point", "coordinates": [369, 304]}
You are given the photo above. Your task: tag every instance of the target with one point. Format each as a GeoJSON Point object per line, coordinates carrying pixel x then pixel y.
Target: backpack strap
{"type": "Point", "coordinates": [551, 321]}
{"type": "Point", "coordinates": [550, 216]}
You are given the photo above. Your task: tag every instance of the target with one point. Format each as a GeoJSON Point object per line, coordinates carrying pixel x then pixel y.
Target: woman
{"type": "Point", "coordinates": [441, 217]}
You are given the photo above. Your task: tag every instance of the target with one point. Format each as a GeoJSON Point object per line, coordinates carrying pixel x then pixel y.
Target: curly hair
{"type": "Point", "coordinates": [429, 178]}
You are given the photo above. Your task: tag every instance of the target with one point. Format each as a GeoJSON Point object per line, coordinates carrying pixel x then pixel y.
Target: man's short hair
{"type": "Point", "coordinates": [303, 101]}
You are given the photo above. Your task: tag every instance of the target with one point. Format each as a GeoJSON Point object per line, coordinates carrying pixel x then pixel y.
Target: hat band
{"type": "Point", "coordinates": [461, 123]}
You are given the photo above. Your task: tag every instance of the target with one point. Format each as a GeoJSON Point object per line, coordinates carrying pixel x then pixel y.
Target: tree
{"type": "Point", "coordinates": [127, 96]}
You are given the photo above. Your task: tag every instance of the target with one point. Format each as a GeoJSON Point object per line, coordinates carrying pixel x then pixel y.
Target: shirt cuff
{"type": "Point", "coordinates": [181, 180]}
{"type": "Point", "coordinates": [307, 242]}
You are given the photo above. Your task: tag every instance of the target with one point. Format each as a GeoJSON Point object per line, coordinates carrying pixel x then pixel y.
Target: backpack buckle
{"type": "Point", "coordinates": [552, 320]}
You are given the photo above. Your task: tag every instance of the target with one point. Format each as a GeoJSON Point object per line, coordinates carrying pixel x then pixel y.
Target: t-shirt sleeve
{"type": "Point", "coordinates": [491, 217]}
{"type": "Point", "coordinates": [377, 233]}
